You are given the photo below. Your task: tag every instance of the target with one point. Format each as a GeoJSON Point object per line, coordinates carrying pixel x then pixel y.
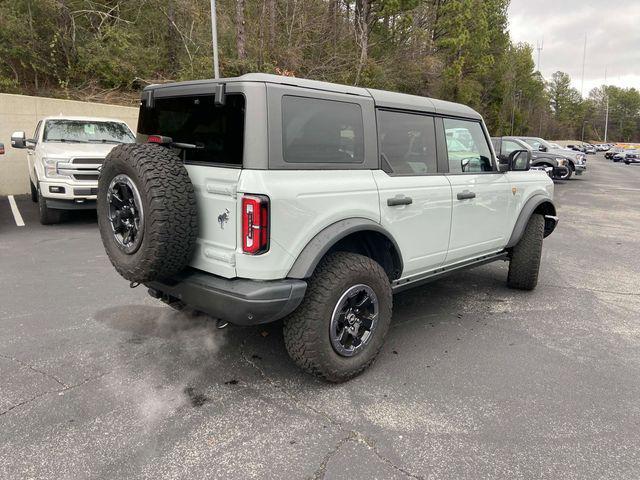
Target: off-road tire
{"type": "Point", "coordinates": [525, 256]}
{"type": "Point", "coordinates": [34, 192]}
{"type": "Point", "coordinates": [306, 331]}
{"type": "Point", "coordinates": [170, 226]}
{"type": "Point", "coordinates": [48, 216]}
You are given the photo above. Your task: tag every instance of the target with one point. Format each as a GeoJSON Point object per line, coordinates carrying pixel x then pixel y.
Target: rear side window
{"type": "Point", "coordinates": [321, 131]}
{"type": "Point", "coordinates": [216, 130]}
{"type": "Point", "coordinates": [467, 147]}
{"type": "Point", "coordinates": [407, 143]}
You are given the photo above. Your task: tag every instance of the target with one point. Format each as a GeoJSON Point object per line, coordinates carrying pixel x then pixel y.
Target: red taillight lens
{"type": "Point", "coordinates": [255, 224]}
{"type": "Point", "coordinates": [154, 139]}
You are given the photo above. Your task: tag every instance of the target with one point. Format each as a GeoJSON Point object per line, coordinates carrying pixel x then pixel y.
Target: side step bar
{"type": "Point", "coordinates": [410, 282]}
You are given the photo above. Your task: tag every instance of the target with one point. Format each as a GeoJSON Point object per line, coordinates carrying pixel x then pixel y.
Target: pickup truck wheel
{"type": "Point", "coordinates": [48, 216]}
{"type": "Point", "coordinates": [34, 192]}
{"type": "Point", "coordinates": [525, 256]}
{"type": "Point", "coordinates": [339, 328]}
{"type": "Point", "coordinates": [568, 174]}
{"type": "Point", "coordinates": [146, 212]}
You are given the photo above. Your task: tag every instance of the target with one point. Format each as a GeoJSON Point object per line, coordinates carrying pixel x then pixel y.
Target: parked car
{"type": "Point", "coordinates": [577, 160]}
{"type": "Point", "coordinates": [313, 202]}
{"type": "Point", "coordinates": [603, 147]}
{"type": "Point", "coordinates": [577, 148]}
{"type": "Point", "coordinates": [65, 156]}
{"type": "Point", "coordinates": [590, 149]}
{"type": "Point", "coordinates": [558, 164]}
{"type": "Point", "coordinates": [613, 151]}
{"type": "Point", "coordinates": [1, 148]}
{"type": "Point", "coordinates": [631, 157]}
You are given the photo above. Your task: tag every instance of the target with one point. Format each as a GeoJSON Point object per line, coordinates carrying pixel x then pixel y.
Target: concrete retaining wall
{"type": "Point", "coordinates": [20, 112]}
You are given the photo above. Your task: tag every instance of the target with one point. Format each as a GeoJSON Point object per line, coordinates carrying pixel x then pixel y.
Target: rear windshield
{"type": "Point", "coordinates": [216, 130]}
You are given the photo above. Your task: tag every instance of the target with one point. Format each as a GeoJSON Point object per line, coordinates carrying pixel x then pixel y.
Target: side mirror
{"type": "Point", "coordinates": [520, 160]}
{"type": "Point", "coordinates": [503, 163]}
{"type": "Point", "coordinates": [19, 140]}
{"type": "Point", "coordinates": [542, 148]}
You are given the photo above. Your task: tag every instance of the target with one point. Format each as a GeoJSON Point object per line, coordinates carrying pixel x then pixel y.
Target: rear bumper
{"type": "Point", "coordinates": [238, 301]}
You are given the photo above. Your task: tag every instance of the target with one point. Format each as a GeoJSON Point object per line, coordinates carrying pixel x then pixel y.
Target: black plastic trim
{"type": "Point", "coordinates": [58, 204]}
{"type": "Point", "coordinates": [525, 214]}
{"type": "Point", "coordinates": [416, 281]}
{"type": "Point", "coordinates": [238, 301]}
{"type": "Point", "coordinates": [319, 245]}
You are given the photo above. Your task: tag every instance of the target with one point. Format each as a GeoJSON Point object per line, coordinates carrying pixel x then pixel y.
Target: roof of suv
{"type": "Point", "coordinates": [381, 98]}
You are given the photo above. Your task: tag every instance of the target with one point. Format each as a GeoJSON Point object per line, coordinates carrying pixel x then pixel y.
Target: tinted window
{"type": "Point", "coordinates": [467, 147]}
{"type": "Point", "coordinates": [321, 131]}
{"type": "Point", "coordinates": [509, 146]}
{"type": "Point", "coordinates": [82, 131]}
{"type": "Point", "coordinates": [407, 143]}
{"type": "Point", "coordinates": [216, 130]}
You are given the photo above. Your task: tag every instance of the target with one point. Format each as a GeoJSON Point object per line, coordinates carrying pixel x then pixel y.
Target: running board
{"type": "Point", "coordinates": [410, 282]}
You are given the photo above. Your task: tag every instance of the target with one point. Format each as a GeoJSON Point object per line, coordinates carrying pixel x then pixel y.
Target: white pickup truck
{"type": "Point", "coordinates": [65, 156]}
{"type": "Point", "coordinates": [261, 198]}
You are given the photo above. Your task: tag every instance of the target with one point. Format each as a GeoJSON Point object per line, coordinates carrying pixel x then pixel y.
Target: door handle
{"type": "Point", "coordinates": [399, 200]}
{"type": "Point", "coordinates": [466, 195]}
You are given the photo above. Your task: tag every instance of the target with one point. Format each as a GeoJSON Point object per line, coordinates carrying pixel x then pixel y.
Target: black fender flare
{"type": "Point", "coordinates": [536, 203]}
{"type": "Point", "coordinates": [545, 161]}
{"type": "Point", "coordinates": [319, 245]}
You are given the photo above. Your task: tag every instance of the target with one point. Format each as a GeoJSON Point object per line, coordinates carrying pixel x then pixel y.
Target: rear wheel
{"type": "Point", "coordinates": [48, 216]}
{"type": "Point", "coordinates": [339, 328]}
{"type": "Point", "coordinates": [525, 256]}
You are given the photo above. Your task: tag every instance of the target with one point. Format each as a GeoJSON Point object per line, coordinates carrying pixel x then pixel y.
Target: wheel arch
{"type": "Point", "coordinates": [356, 235]}
{"type": "Point", "coordinates": [538, 204]}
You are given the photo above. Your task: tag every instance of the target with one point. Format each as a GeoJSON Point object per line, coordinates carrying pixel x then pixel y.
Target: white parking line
{"type": "Point", "coordinates": [16, 213]}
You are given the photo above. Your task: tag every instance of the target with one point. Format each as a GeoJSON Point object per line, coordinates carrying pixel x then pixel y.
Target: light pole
{"type": "Point", "coordinates": [214, 34]}
{"type": "Point", "coordinates": [606, 116]}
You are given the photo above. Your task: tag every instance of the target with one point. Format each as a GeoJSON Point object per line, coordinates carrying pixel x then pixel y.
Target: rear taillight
{"type": "Point", "coordinates": [255, 224]}
{"type": "Point", "coordinates": [159, 139]}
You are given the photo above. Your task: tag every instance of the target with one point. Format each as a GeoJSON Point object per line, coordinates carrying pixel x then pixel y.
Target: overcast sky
{"type": "Point", "coordinates": [613, 38]}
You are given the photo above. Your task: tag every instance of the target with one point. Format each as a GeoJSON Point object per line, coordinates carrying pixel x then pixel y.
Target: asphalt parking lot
{"type": "Point", "coordinates": [475, 381]}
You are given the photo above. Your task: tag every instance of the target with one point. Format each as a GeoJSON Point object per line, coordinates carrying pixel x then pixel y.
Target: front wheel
{"type": "Point", "coordinates": [48, 216]}
{"type": "Point", "coordinates": [525, 256]}
{"type": "Point", "coordinates": [568, 173]}
{"type": "Point", "coordinates": [340, 326]}
{"type": "Point", "coordinates": [34, 192]}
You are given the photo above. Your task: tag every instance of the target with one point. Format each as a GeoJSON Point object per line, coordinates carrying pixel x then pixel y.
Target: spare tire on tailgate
{"type": "Point", "coordinates": [146, 212]}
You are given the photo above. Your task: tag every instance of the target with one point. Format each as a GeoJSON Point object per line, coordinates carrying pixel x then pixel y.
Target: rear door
{"type": "Point", "coordinates": [214, 164]}
{"type": "Point", "coordinates": [415, 200]}
{"type": "Point", "coordinates": [480, 193]}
